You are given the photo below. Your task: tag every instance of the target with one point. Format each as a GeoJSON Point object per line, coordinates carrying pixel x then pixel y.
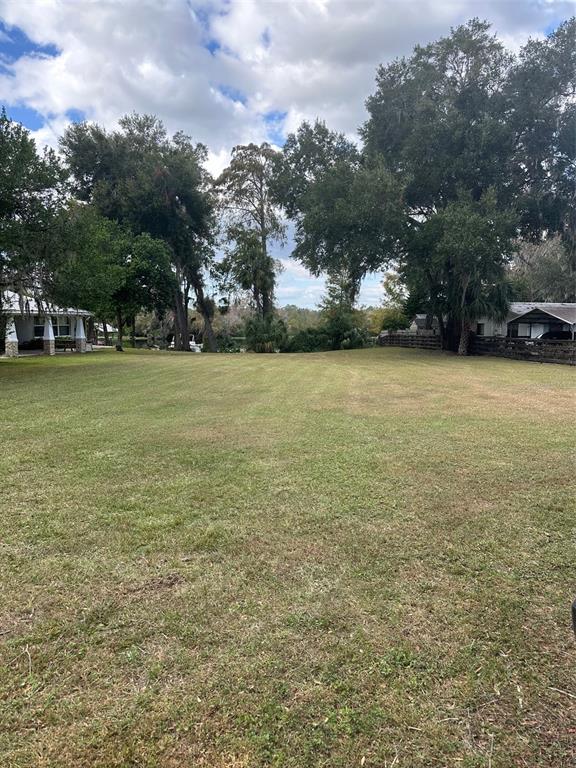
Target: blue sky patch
{"type": "Point", "coordinates": [14, 44]}
{"type": "Point", "coordinates": [553, 26]}
{"type": "Point", "coordinates": [233, 94]}
{"type": "Point", "coordinates": [202, 16]}
{"type": "Point", "coordinates": [275, 126]}
{"type": "Point", "coordinates": [213, 46]}
{"type": "Point", "coordinates": [76, 115]}
{"type": "Point", "coordinates": [29, 117]}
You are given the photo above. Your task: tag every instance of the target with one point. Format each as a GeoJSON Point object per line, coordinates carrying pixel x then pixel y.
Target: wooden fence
{"type": "Point", "coordinates": [537, 350]}
{"type": "Point", "coordinates": [404, 339]}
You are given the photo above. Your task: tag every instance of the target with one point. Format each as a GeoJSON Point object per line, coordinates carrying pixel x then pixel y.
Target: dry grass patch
{"type": "Point", "coordinates": [354, 558]}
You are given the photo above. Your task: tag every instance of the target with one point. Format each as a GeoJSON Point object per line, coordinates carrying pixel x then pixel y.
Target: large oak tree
{"type": "Point", "coordinates": [154, 184]}
{"type": "Point", "coordinates": [347, 208]}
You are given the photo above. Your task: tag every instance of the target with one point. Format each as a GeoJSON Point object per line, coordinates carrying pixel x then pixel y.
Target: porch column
{"type": "Point", "coordinates": [49, 341]}
{"type": "Point", "coordinates": [11, 345]}
{"type": "Point", "coordinates": [80, 335]}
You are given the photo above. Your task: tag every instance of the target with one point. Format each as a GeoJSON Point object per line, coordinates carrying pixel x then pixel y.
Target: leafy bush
{"type": "Point", "coordinates": [356, 338]}
{"type": "Point", "coordinates": [339, 331]}
{"type": "Point", "coordinates": [227, 343]}
{"type": "Point", "coordinates": [344, 332]}
{"type": "Point", "coordinates": [308, 340]}
{"type": "Point", "coordinates": [265, 334]}
{"type": "Point", "coordinates": [393, 319]}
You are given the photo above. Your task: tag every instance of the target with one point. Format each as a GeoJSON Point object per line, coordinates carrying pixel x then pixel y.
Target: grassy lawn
{"type": "Point", "coordinates": [345, 559]}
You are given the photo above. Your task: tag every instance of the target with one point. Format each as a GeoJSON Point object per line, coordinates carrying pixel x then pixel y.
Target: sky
{"type": "Point", "coordinates": [228, 72]}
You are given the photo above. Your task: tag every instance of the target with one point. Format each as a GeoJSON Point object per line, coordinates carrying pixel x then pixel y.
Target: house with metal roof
{"type": "Point", "coordinates": [32, 323]}
{"type": "Point", "coordinates": [531, 320]}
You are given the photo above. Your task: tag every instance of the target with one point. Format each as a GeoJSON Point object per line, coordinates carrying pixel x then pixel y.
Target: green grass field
{"type": "Point", "coordinates": [346, 559]}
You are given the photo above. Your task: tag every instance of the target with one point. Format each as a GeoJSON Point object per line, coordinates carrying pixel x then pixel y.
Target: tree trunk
{"type": "Point", "coordinates": [209, 337]}
{"type": "Point", "coordinates": [464, 322]}
{"type": "Point", "coordinates": [464, 337]}
{"type": "Point", "coordinates": [120, 323]}
{"type": "Point", "coordinates": [106, 334]}
{"type": "Point", "coordinates": [267, 305]}
{"type": "Point", "coordinates": [442, 329]}
{"type": "Point", "coordinates": [181, 337]}
{"type": "Point", "coordinates": [257, 302]}
{"type": "Point", "coordinates": [451, 334]}
{"type": "Point", "coordinates": [90, 332]}
{"type": "Point", "coordinates": [266, 295]}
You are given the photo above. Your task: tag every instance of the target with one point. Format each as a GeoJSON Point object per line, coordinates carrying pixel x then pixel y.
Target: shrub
{"type": "Point", "coordinates": [265, 334]}
{"type": "Point", "coordinates": [393, 319]}
{"type": "Point", "coordinates": [308, 340]}
{"type": "Point", "coordinates": [344, 332]}
{"type": "Point", "coordinates": [227, 343]}
{"type": "Point", "coordinates": [339, 331]}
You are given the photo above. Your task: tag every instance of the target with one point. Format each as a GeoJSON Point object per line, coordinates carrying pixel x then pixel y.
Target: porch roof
{"type": "Point", "coordinates": [21, 306]}
{"type": "Point", "coordinates": [566, 313]}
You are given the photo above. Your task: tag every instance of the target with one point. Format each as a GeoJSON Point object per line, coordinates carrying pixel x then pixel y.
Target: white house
{"type": "Point", "coordinates": [33, 323]}
{"type": "Point", "coordinates": [525, 320]}
{"type": "Point", "coordinates": [532, 319]}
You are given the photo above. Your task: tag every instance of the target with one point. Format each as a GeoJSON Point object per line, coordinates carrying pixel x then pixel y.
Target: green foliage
{"type": "Point", "coordinates": [299, 318]}
{"type": "Point", "coordinates": [265, 334]}
{"type": "Point", "coordinates": [543, 272]}
{"type": "Point", "coordinates": [343, 330]}
{"type": "Point", "coordinates": [393, 319]}
{"type": "Point", "coordinates": [306, 156]}
{"type": "Point", "coordinates": [473, 244]}
{"type": "Point", "coordinates": [541, 113]}
{"type": "Point", "coordinates": [227, 343]}
{"type": "Point", "coordinates": [467, 246]}
{"type": "Point", "coordinates": [480, 139]}
{"type": "Point", "coordinates": [92, 272]}
{"type": "Point", "coordinates": [153, 185]}
{"type": "Point", "coordinates": [250, 268]}
{"type": "Point", "coordinates": [347, 209]}
{"type": "Point", "coordinates": [252, 222]}
{"type": "Point", "coordinates": [32, 198]}
{"type": "Point", "coordinates": [437, 117]}
{"type": "Point", "coordinates": [110, 271]}
{"type": "Point", "coordinates": [314, 339]}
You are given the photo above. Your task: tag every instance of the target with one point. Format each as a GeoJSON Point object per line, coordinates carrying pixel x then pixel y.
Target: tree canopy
{"type": "Point", "coordinates": [252, 222]}
{"type": "Point", "coordinates": [347, 209]}
{"type": "Point", "coordinates": [480, 140]}
{"type": "Point", "coordinates": [33, 196]}
{"type": "Point", "coordinates": [154, 185]}
{"type": "Point", "coordinates": [462, 185]}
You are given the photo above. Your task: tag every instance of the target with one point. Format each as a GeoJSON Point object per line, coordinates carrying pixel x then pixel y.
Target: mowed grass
{"type": "Point", "coordinates": [347, 559]}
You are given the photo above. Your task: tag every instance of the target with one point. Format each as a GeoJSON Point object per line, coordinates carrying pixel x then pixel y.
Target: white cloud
{"type": "Point", "coordinates": [217, 69]}
{"type": "Point", "coordinates": [307, 59]}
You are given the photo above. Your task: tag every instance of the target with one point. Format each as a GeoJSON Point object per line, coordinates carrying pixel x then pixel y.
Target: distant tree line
{"type": "Point", "coordinates": [463, 186]}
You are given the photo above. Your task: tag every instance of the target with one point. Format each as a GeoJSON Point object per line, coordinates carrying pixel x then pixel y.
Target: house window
{"type": "Point", "coordinates": [524, 329]}
{"type": "Point", "coordinates": [39, 327]}
{"type": "Point", "coordinates": [63, 327]}
{"type": "Point", "coordinates": [60, 326]}
{"type": "Point", "coordinates": [480, 328]}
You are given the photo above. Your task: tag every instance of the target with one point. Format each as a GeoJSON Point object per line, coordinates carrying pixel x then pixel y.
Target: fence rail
{"type": "Point", "coordinates": [427, 340]}
{"type": "Point", "coordinates": [537, 350]}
